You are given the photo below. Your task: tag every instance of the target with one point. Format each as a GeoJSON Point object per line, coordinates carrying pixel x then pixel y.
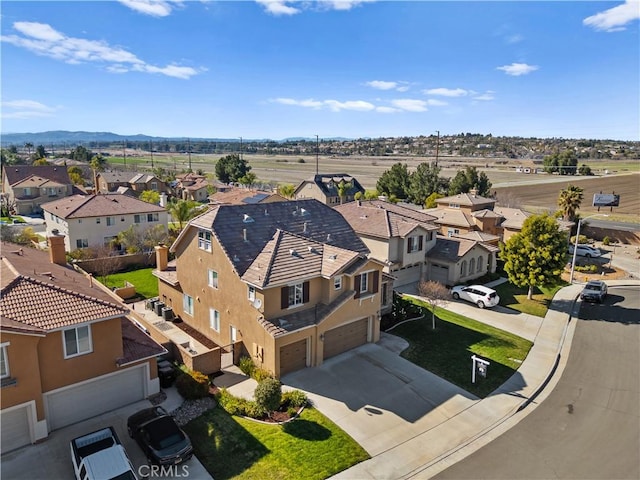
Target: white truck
{"type": "Point", "coordinates": [100, 456]}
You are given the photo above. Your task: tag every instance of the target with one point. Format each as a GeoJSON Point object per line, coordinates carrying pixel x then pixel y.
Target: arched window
{"type": "Point", "coordinates": [472, 266]}
{"type": "Point", "coordinates": [463, 269]}
{"type": "Point", "coordinates": [480, 263]}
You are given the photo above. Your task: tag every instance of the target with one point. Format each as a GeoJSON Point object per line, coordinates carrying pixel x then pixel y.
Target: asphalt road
{"type": "Point", "coordinates": [625, 226]}
{"type": "Point", "coordinates": [589, 426]}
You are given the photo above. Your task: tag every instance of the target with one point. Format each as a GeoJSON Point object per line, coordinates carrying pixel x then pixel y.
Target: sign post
{"type": "Point", "coordinates": [479, 365]}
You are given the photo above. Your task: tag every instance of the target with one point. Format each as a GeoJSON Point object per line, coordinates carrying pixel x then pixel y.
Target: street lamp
{"type": "Point", "coordinates": [575, 247]}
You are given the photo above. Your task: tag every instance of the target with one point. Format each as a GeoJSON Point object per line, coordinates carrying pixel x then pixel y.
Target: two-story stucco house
{"type": "Point", "coordinates": [325, 187]}
{"type": "Point", "coordinates": [290, 282]}
{"type": "Point", "coordinates": [95, 220]}
{"type": "Point", "coordinates": [28, 186]}
{"type": "Point", "coordinates": [68, 350]}
{"type": "Point", "coordinates": [136, 182]}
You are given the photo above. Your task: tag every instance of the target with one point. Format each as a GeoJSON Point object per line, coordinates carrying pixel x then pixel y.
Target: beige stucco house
{"type": "Point", "coordinates": [289, 283]}
{"type": "Point", "coordinates": [457, 260]}
{"type": "Point", "coordinates": [324, 188]}
{"type": "Point", "coordinates": [28, 186]}
{"type": "Point", "coordinates": [111, 181]}
{"type": "Point", "coordinates": [95, 220]}
{"type": "Point", "coordinates": [68, 349]}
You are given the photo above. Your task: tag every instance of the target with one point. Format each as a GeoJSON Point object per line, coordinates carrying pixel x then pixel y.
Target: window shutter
{"type": "Point", "coordinates": [305, 292]}
{"type": "Point", "coordinates": [408, 244]}
{"type": "Point", "coordinates": [376, 279]}
{"type": "Point", "coordinates": [356, 285]}
{"type": "Point", "coordinates": [420, 243]}
{"type": "Point", "coordinates": [284, 298]}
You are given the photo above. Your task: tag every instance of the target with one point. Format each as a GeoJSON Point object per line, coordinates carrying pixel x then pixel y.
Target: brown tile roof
{"type": "Point", "coordinates": [137, 345]}
{"type": "Point", "coordinates": [17, 173]}
{"type": "Point", "coordinates": [453, 249]}
{"type": "Point", "coordinates": [117, 176]}
{"type": "Point", "coordinates": [513, 217]}
{"type": "Point", "coordinates": [238, 196]}
{"type": "Point", "coordinates": [485, 213]}
{"type": "Point", "coordinates": [478, 236]}
{"type": "Point", "coordinates": [37, 181]}
{"type": "Point", "coordinates": [466, 199]}
{"type": "Point", "coordinates": [82, 206]}
{"type": "Point", "coordinates": [308, 218]}
{"type": "Point", "coordinates": [451, 216]}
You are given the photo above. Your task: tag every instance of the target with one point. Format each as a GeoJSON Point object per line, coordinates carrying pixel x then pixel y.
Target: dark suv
{"type": "Point", "coordinates": [594, 291]}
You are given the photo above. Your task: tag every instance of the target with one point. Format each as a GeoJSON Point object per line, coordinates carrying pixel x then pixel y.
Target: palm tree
{"type": "Point", "coordinates": [287, 190]}
{"type": "Point", "coordinates": [569, 201]}
{"type": "Point", "coordinates": [28, 146]}
{"type": "Point", "coordinates": [182, 211]}
{"type": "Point", "coordinates": [343, 187]}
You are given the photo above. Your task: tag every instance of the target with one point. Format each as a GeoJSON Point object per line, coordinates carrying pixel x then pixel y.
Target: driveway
{"type": "Point", "coordinates": [51, 459]}
{"type": "Point", "coordinates": [378, 398]}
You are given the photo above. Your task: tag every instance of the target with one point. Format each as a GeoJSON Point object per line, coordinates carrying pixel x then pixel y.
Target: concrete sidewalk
{"type": "Point", "coordinates": [432, 451]}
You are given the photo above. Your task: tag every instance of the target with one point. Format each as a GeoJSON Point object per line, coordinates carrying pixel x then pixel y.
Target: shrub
{"type": "Point", "coordinates": [606, 241]}
{"type": "Point", "coordinates": [301, 160]}
{"type": "Point", "coordinates": [247, 366]}
{"type": "Point", "coordinates": [232, 405]}
{"type": "Point", "coordinates": [268, 394]}
{"type": "Point", "coordinates": [587, 268]}
{"type": "Point", "coordinates": [582, 240]}
{"type": "Point", "coordinates": [260, 374]}
{"type": "Point", "coordinates": [192, 385]}
{"type": "Point", "coordinates": [255, 410]}
{"type": "Point", "coordinates": [294, 399]}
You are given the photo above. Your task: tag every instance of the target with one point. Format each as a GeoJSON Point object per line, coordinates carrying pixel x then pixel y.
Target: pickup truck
{"type": "Point", "coordinates": [100, 455]}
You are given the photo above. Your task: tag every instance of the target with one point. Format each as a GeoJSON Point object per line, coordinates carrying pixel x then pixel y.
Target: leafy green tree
{"type": "Point", "coordinates": [585, 170]}
{"type": "Point", "coordinates": [232, 168]}
{"type": "Point", "coordinates": [431, 200]}
{"type": "Point", "coordinates": [371, 194]}
{"type": "Point", "coordinates": [535, 257]}
{"type": "Point", "coordinates": [564, 163]}
{"type": "Point", "coordinates": [81, 154]}
{"type": "Point", "coordinates": [182, 211]}
{"type": "Point", "coordinates": [75, 174]}
{"type": "Point", "coordinates": [268, 394]}
{"type": "Point", "coordinates": [425, 181]}
{"type": "Point", "coordinates": [97, 164]}
{"type": "Point", "coordinates": [150, 196]}
{"type": "Point", "coordinates": [469, 178]}
{"type": "Point", "coordinates": [248, 180]}
{"type": "Point", "coordinates": [394, 182]}
{"type": "Point", "coordinates": [40, 152]}
{"type": "Point", "coordinates": [287, 190]}
{"type": "Point", "coordinates": [343, 187]}
{"type": "Point", "coordinates": [569, 201]}
{"type": "Point", "coordinates": [40, 161]}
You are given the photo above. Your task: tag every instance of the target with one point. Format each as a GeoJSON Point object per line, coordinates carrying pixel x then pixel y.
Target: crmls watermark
{"type": "Point", "coordinates": [157, 471]}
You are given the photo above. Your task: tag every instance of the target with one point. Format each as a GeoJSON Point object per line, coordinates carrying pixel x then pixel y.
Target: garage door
{"type": "Point", "coordinates": [406, 276]}
{"type": "Point", "coordinates": [345, 338]}
{"type": "Point", "coordinates": [15, 428]}
{"type": "Point", "coordinates": [89, 399]}
{"type": "Point", "coordinates": [293, 357]}
{"type": "Point", "coordinates": [439, 273]}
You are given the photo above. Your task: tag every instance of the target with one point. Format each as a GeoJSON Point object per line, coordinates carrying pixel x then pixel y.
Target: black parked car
{"type": "Point", "coordinates": [594, 291]}
{"type": "Point", "coordinates": [163, 442]}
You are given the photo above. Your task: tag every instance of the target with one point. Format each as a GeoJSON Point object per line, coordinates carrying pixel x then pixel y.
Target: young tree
{"type": "Point", "coordinates": [287, 190]}
{"type": "Point", "coordinates": [430, 202]}
{"type": "Point", "coordinates": [436, 295]}
{"type": "Point", "coordinates": [569, 201]}
{"type": "Point", "coordinates": [231, 169]}
{"type": "Point", "coordinates": [343, 187]}
{"type": "Point", "coordinates": [248, 180]}
{"type": "Point", "coordinates": [268, 394]}
{"type": "Point", "coordinates": [106, 260]}
{"type": "Point", "coordinates": [150, 196]}
{"type": "Point", "coordinates": [469, 178]}
{"type": "Point", "coordinates": [40, 161]}
{"type": "Point", "coordinates": [585, 170]}
{"type": "Point", "coordinates": [75, 174]}
{"type": "Point", "coordinates": [182, 211]}
{"type": "Point", "coordinates": [40, 152]}
{"type": "Point", "coordinates": [536, 256]}
{"type": "Point", "coordinates": [425, 181]}
{"type": "Point", "coordinates": [394, 182]}
{"type": "Point", "coordinates": [371, 194]}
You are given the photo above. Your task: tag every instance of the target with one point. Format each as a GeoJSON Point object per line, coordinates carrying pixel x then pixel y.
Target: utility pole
{"type": "Point", "coordinates": [124, 152]}
{"type": "Point", "coordinates": [151, 148]}
{"type": "Point", "coordinates": [240, 148]}
{"type": "Point", "coordinates": [437, 146]}
{"type": "Point", "coordinates": [189, 152]}
{"type": "Point", "coordinates": [317, 152]}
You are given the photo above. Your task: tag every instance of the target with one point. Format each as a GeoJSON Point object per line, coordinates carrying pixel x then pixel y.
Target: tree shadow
{"type": "Point", "coordinates": [306, 430]}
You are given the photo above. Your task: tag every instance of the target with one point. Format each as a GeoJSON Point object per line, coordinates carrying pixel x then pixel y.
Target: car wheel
{"type": "Point", "coordinates": [456, 295]}
{"type": "Point", "coordinates": [480, 304]}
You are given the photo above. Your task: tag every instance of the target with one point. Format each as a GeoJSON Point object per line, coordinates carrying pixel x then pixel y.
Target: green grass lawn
{"type": "Point", "coordinates": [146, 284]}
{"type": "Point", "coordinates": [516, 298]}
{"type": "Point", "coordinates": [310, 447]}
{"type": "Point", "coordinates": [446, 351]}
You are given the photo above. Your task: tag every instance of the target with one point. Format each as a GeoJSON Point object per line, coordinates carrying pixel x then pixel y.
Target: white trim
{"type": "Point", "coordinates": [77, 354]}
{"type": "Point", "coordinates": [5, 356]}
{"type": "Point", "coordinates": [31, 417]}
{"type": "Point", "coordinates": [90, 322]}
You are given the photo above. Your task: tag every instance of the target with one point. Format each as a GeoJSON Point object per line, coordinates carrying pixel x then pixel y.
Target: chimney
{"type": "Point", "coordinates": [473, 192]}
{"type": "Point", "coordinates": [163, 200]}
{"type": "Point", "coordinates": [162, 257]}
{"type": "Point", "coordinates": [56, 249]}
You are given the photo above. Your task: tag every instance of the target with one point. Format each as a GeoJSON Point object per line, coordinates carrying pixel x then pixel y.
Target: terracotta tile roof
{"type": "Point", "coordinates": [42, 305]}
{"type": "Point", "coordinates": [197, 185]}
{"type": "Point", "coordinates": [451, 216]}
{"type": "Point", "coordinates": [37, 181]}
{"type": "Point", "coordinates": [288, 257]}
{"type": "Point", "coordinates": [484, 213]}
{"type": "Point", "coordinates": [453, 249]}
{"type": "Point", "coordinates": [82, 206]}
{"type": "Point", "coordinates": [466, 199]}
{"type": "Point", "coordinates": [117, 176]}
{"type": "Point", "coordinates": [238, 196]}
{"type": "Point", "coordinates": [513, 217]}
{"type": "Point", "coordinates": [17, 173]}
{"type": "Point", "coordinates": [478, 236]}
{"type": "Point", "coordinates": [308, 218]}
{"type": "Point", "coordinates": [137, 345]}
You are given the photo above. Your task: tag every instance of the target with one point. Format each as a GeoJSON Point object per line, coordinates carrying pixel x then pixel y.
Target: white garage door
{"type": "Point", "coordinates": [89, 399]}
{"type": "Point", "coordinates": [15, 428]}
{"type": "Point", "coordinates": [406, 276]}
{"type": "Point", "coordinates": [439, 273]}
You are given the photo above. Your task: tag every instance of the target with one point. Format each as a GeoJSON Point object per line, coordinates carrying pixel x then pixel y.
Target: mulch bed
{"type": "Point", "coordinates": [195, 334]}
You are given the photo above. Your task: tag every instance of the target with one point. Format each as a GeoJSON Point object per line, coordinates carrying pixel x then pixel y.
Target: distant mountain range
{"type": "Point", "coordinates": [59, 137]}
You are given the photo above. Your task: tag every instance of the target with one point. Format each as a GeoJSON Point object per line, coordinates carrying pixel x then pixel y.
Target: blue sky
{"type": "Point", "coordinates": [278, 69]}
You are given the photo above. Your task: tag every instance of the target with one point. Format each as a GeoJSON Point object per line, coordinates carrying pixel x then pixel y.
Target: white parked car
{"type": "Point", "coordinates": [585, 251]}
{"type": "Point", "coordinates": [479, 294]}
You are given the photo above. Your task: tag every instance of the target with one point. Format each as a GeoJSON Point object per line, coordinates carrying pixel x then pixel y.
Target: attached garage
{"type": "Point", "coordinates": [15, 428]}
{"type": "Point", "coordinates": [88, 399]}
{"type": "Point", "coordinates": [439, 273]}
{"type": "Point", "coordinates": [293, 357]}
{"type": "Point", "coordinates": [346, 337]}
{"type": "Point", "coordinates": [407, 275]}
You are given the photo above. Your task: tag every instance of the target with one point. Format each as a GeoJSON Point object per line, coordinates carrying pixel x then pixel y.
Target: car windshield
{"type": "Point", "coordinates": [593, 286]}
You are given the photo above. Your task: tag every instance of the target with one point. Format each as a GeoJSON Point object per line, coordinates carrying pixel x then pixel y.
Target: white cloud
{"type": "Point", "coordinates": [342, 4]}
{"type": "Point", "coordinates": [516, 38]}
{"type": "Point", "coordinates": [615, 18]}
{"type": "Point", "coordinates": [285, 7]}
{"type": "Point", "coordinates": [517, 69]}
{"type": "Point", "coordinates": [387, 110]}
{"type": "Point", "coordinates": [410, 105]}
{"type": "Point", "coordinates": [358, 105]}
{"type": "Point", "coordinates": [486, 96]}
{"type": "Point", "coordinates": [447, 92]}
{"type": "Point", "coordinates": [155, 8]}
{"type": "Point", "coordinates": [382, 85]}
{"type": "Point", "coordinates": [278, 7]}
{"type": "Point", "coordinates": [42, 39]}
{"type": "Point", "coordinates": [432, 102]}
{"type": "Point", "coordinates": [24, 109]}
{"type": "Point", "coordinates": [310, 103]}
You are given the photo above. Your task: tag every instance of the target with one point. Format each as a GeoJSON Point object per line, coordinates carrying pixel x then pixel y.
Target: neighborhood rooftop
{"type": "Point", "coordinates": [81, 206]}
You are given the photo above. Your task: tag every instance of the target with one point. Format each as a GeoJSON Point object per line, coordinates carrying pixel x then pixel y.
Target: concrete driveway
{"type": "Point", "coordinates": [378, 398]}
{"type": "Point", "coordinates": [51, 459]}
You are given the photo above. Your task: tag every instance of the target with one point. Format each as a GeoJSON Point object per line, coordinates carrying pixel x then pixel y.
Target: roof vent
{"type": "Point", "coordinates": [333, 257]}
{"type": "Point", "coordinates": [236, 258]}
{"type": "Point", "coordinates": [303, 212]}
{"type": "Point", "coordinates": [247, 219]}
{"type": "Point", "coordinates": [266, 212]}
{"type": "Point", "coordinates": [293, 252]}
{"type": "Point", "coordinates": [328, 237]}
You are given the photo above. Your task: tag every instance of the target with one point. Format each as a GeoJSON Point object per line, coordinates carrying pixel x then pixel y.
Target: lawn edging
{"type": "Point", "coordinates": [404, 321]}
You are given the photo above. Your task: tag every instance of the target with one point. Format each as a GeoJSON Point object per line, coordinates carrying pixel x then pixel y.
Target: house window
{"type": "Point", "coordinates": [251, 294]}
{"type": "Point", "coordinates": [152, 217]}
{"type": "Point", "coordinates": [77, 341]}
{"type": "Point", "coordinates": [452, 231]}
{"type": "Point", "coordinates": [187, 304]}
{"type": "Point", "coordinates": [204, 240]}
{"type": "Point", "coordinates": [214, 319]}
{"type": "Point", "coordinates": [454, 205]}
{"type": "Point", "coordinates": [366, 283]}
{"type": "Point", "coordinates": [337, 282]}
{"type": "Point", "coordinates": [137, 218]}
{"type": "Point", "coordinates": [98, 220]}
{"type": "Point", "coordinates": [414, 244]}
{"type": "Point", "coordinates": [213, 278]}
{"type": "Point", "coordinates": [294, 295]}
{"type": "Point", "coordinates": [82, 243]}
{"type": "Point", "coordinates": [463, 269]}
{"type": "Point", "coordinates": [472, 266]}
{"type": "Point", "coordinates": [154, 185]}
{"type": "Point", "coordinates": [4, 361]}
{"type": "Point", "coordinates": [480, 263]}
{"type": "Point", "coordinates": [111, 221]}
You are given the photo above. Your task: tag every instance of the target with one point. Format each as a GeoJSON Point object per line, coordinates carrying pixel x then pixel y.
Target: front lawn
{"type": "Point", "coordinates": [446, 351]}
{"type": "Point", "coordinates": [146, 284]}
{"type": "Point", "coordinates": [516, 298]}
{"type": "Point", "coordinates": [310, 447]}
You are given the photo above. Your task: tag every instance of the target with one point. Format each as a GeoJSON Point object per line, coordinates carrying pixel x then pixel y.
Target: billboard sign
{"type": "Point", "coordinates": [606, 200]}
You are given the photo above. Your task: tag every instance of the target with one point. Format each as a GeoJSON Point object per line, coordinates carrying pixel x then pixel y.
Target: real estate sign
{"type": "Point", "coordinates": [606, 200]}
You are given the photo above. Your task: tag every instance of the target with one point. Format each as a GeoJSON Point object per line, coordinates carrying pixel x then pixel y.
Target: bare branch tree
{"type": "Point", "coordinates": [436, 295]}
{"type": "Point", "coordinates": [106, 260]}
